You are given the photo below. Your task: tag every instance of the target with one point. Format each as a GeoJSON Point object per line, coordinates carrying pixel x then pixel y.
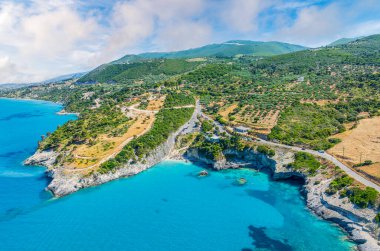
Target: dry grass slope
{"type": "Point", "coordinates": [360, 144]}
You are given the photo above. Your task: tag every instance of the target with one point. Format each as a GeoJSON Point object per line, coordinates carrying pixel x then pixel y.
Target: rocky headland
{"type": "Point", "coordinates": [64, 182]}
{"type": "Point", "coordinates": [356, 221]}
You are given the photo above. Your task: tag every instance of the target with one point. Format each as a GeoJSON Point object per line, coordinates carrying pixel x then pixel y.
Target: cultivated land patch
{"type": "Point", "coordinates": [227, 110]}
{"type": "Point", "coordinates": [360, 144]}
{"type": "Point", "coordinates": [196, 60]}
{"type": "Point", "coordinates": [320, 102]}
{"type": "Point", "coordinates": [87, 158]}
{"type": "Point", "coordinates": [92, 156]}
{"type": "Point", "coordinates": [259, 122]}
{"type": "Point", "coordinates": [156, 104]}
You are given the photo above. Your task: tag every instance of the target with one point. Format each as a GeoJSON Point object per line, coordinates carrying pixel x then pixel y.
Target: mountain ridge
{"type": "Point", "coordinates": [344, 40]}
{"type": "Point", "coordinates": [229, 48]}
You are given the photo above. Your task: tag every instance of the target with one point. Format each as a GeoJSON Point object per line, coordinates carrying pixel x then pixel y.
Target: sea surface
{"type": "Point", "coordinates": [165, 208]}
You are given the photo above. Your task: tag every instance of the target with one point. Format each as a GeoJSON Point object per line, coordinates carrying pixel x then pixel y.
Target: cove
{"type": "Point", "coordinates": [164, 208]}
{"type": "Point", "coordinates": [22, 123]}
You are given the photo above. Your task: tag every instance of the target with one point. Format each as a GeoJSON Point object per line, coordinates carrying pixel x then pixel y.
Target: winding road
{"type": "Point", "coordinates": [328, 157]}
{"type": "Point", "coordinates": [323, 155]}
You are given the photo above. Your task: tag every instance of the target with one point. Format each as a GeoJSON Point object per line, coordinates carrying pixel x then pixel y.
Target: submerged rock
{"type": "Point", "coordinates": [203, 173]}
{"type": "Point", "coordinates": [242, 181]}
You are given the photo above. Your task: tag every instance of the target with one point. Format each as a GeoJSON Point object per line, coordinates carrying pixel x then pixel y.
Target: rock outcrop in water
{"type": "Point", "coordinates": [356, 221]}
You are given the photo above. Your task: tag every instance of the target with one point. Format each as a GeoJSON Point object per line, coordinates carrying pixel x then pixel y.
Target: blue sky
{"type": "Point", "coordinates": [40, 39]}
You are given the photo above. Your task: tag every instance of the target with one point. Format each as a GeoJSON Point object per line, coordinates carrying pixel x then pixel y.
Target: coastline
{"type": "Point", "coordinates": [34, 100]}
{"type": "Point", "coordinates": [301, 184]}
{"type": "Point", "coordinates": [355, 222]}
{"type": "Point", "coordinates": [63, 184]}
{"type": "Point", "coordinates": [319, 205]}
{"type": "Point", "coordinates": [316, 203]}
{"type": "Point", "coordinates": [61, 112]}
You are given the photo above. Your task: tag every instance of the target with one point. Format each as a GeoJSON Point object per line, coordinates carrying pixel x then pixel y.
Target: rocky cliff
{"type": "Point", "coordinates": [64, 182]}
{"type": "Point", "coordinates": [357, 222]}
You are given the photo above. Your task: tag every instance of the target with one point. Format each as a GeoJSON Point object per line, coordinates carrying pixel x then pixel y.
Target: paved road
{"type": "Point", "coordinates": [324, 155]}
{"type": "Point", "coordinates": [191, 124]}
{"type": "Point", "coordinates": [327, 156]}
{"type": "Point", "coordinates": [216, 123]}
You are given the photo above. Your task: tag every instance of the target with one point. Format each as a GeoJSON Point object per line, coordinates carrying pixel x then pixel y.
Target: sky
{"type": "Point", "coordinates": [41, 39]}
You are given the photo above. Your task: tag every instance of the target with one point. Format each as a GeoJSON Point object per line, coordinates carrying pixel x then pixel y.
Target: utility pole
{"type": "Point", "coordinates": [360, 157]}
{"type": "Point", "coordinates": [343, 152]}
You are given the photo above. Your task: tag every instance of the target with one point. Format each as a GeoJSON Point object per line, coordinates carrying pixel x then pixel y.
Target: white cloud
{"type": "Point", "coordinates": [184, 35]}
{"type": "Point", "coordinates": [317, 26]}
{"type": "Point", "coordinates": [45, 38]}
{"type": "Point", "coordinates": [137, 20]}
{"type": "Point", "coordinates": [243, 15]}
{"type": "Point", "coordinates": [43, 35]}
{"type": "Point", "coordinates": [364, 29]}
{"type": "Point", "coordinates": [313, 26]}
{"type": "Point", "coordinates": [9, 72]}
{"type": "Point", "coordinates": [51, 37]}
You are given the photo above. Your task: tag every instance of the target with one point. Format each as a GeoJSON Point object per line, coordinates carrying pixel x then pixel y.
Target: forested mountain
{"type": "Point", "coordinates": [298, 98]}
{"type": "Point", "coordinates": [228, 49]}
{"type": "Point", "coordinates": [157, 64]}
{"type": "Point", "coordinates": [343, 41]}
{"type": "Point", "coordinates": [152, 70]}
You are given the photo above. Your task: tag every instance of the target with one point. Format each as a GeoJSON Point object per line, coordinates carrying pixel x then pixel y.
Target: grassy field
{"type": "Point", "coordinates": [360, 144]}
{"type": "Point", "coordinates": [89, 157]}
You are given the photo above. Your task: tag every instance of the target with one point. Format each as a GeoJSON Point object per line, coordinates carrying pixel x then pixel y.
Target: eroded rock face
{"type": "Point", "coordinates": [195, 154]}
{"type": "Point", "coordinates": [357, 222]}
{"type": "Point", "coordinates": [233, 158]}
{"type": "Point", "coordinates": [44, 158]}
{"type": "Point", "coordinates": [64, 182]}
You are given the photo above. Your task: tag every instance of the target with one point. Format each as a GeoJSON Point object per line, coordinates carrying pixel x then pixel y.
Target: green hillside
{"type": "Point", "coordinates": [152, 70]}
{"type": "Point", "coordinates": [343, 41]}
{"type": "Point", "coordinates": [308, 95]}
{"type": "Point", "coordinates": [227, 49]}
{"type": "Point", "coordinates": [152, 66]}
{"type": "Point", "coordinates": [346, 78]}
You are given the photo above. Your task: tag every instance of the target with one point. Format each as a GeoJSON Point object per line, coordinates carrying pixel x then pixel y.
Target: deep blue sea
{"type": "Point", "coordinates": [165, 208]}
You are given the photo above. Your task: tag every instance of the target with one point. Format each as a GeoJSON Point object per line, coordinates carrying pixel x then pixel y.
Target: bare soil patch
{"type": "Point", "coordinates": [225, 111]}
{"type": "Point", "coordinates": [156, 104]}
{"type": "Point", "coordinates": [86, 157]}
{"type": "Point", "coordinates": [360, 144]}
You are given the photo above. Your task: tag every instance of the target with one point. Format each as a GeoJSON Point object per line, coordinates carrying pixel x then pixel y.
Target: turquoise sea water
{"type": "Point", "coordinates": [165, 208]}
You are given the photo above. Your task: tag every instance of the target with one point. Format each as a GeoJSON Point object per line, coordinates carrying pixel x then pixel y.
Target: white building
{"type": "Point", "coordinates": [241, 129]}
{"type": "Point", "coordinates": [214, 138]}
